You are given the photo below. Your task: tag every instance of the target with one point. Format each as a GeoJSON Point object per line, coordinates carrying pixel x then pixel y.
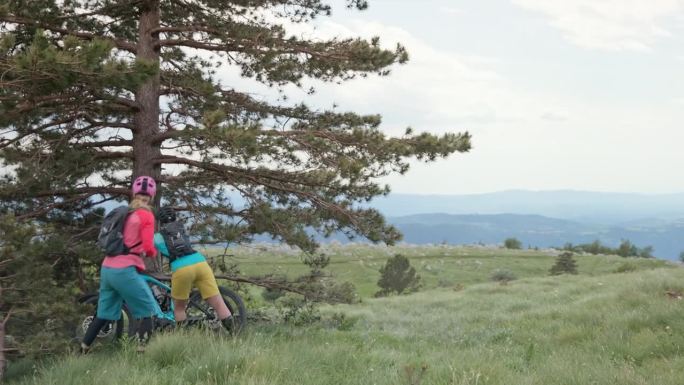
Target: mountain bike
{"type": "Point", "coordinates": [199, 312]}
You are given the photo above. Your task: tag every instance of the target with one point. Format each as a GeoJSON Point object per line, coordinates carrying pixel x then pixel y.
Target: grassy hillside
{"type": "Point", "coordinates": [439, 266]}
{"type": "Point", "coordinates": [599, 327]}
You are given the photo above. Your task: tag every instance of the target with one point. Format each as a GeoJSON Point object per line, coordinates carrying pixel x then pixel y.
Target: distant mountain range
{"type": "Point", "coordinates": [544, 218]}
{"type": "Point", "coordinates": [582, 206]}
{"type": "Point", "coordinates": [667, 238]}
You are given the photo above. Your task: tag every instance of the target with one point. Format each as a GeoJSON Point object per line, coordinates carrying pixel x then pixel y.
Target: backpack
{"type": "Point", "coordinates": [176, 239]}
{"type": "Point", "coordinates": [111, 238]}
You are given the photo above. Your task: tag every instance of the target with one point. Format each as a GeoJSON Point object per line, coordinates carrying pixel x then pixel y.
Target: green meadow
{"type": "Point", "coordinates": [619, 321]}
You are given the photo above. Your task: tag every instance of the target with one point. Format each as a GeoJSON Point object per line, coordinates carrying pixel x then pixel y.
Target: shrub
{"type": "Point", "coordinates": [627, 249]}
{"type": "Point", "coordinates": [271, 295]}
{"type": "Point", "coordinates": [41, 272]}
{"type": "Point", "coordinates": [341, 292]}
{"type": "Point", "coordinates": [565, 264]}
{"type": "Point", "coordinates": [512, 243]}
{"type": "Point", "coordinates": [681, 256]}
{"type": "Point", "coordinates": [342, 322]}
{"type": "Point", "coordinates": [626, 268]}
{"type": "Point", "coordinates": [646, 252]}
{"type": "Point", "coordinates": [397, 276]}
{"type": "Point", "coordinates": [297, 310]}
{"type": "Point", "coordinates": [503, 276]}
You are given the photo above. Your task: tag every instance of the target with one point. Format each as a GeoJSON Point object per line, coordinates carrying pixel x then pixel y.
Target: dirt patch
{"type": "Point", "coordinates": [675, 294]}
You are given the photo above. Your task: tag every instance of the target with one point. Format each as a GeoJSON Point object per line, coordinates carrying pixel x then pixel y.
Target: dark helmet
{"type": "Point", "coordinates": [166, 214]}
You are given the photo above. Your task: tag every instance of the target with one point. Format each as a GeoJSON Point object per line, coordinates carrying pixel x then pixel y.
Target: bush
{"type": "Point", "coordinates": [341, 292]}
{"type": "Point", "coordinates": [681, 256]}
{"type": "Point", "coordinates": [397, 276]}
{"type": "Point", "coordinates": [297, 310]}
{"type": "Point", "coordinates": [503, 276]}
{"type": "Point", "coordinates": [41, 273]}
{"type": "Point", "coordinates": [342, 322]}
{"type": "Point", "coordinates": [512, 243]}
{"type": "Point", "coordinates": [271, 295]}
{"type": "Point", "coordinates": [626, 268]}
{"type": "Point", "coordinates": [646, 252]}
{"type": "Point", "coordinates": [565, 264]}
{"type": "Point", "coordinates": [626, 249]}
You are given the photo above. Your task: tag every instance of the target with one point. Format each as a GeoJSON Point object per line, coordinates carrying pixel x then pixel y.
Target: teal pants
{"type": "Point", "coordinates": [124, 285]}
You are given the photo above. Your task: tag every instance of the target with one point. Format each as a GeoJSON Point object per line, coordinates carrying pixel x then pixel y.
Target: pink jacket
{"type": "Point", "coordinates": [139, 229]}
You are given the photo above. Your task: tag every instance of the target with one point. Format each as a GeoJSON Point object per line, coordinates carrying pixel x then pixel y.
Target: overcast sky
{"type": "Point", "coordinates": [558, 94]}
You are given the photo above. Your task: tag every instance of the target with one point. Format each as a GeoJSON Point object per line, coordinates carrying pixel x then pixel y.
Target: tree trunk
{"type": "Point", "coordinates": [146, 120]}
{"type": "Point", "coordinates": [3, 360]}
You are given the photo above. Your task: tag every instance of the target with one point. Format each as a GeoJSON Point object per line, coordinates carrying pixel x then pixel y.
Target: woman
{"type": "Point", "coordinates": [189, 268]}
{"type": "Point", "coordinates": [119, 277]}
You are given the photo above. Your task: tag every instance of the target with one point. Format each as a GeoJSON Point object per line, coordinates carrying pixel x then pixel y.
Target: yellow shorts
{"type": "Point", "coordinates": [199, 275]}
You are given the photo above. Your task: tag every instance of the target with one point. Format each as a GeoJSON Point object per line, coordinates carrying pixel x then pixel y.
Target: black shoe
{"type": "Point", "coordinates": [84, 349]}
{"type": "Point", "coordinates": [229, 324]}
{"type": "Point", "coordinates": [163, 324]}
{"type": "Point", "coordinates": [181, 324]}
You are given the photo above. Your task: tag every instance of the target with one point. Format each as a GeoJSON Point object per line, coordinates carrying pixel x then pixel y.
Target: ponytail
{"type": "Point", "coordinates": [140, 201]}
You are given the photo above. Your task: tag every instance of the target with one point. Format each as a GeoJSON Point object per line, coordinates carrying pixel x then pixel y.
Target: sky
{"type": "Point", "coordinates": [557, 94]}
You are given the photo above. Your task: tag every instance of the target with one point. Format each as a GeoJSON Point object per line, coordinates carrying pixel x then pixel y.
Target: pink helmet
{"type": "Point", "coordinates": [144, 185]}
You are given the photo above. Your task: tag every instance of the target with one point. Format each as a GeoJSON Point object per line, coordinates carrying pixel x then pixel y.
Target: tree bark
{"type": "Point", "coordinates": [146, 120]}
{"type": "Point", "coordinates": [3, 361]}
{"type": "Point", "coordinates": [3, 322]}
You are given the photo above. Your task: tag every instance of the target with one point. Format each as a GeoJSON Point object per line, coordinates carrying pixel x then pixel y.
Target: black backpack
{"type": "Point", "coordinates": [111, 238]}
{"type": "Point", "coordinates": [176, 239]}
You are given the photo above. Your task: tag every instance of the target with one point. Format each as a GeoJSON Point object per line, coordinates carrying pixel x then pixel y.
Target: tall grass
{"type": "Point", "coordinates": [612, 328]}
{"type": "Point", "coordinates": [439, 266]}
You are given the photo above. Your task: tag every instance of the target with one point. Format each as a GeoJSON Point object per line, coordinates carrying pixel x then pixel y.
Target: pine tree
{"type": "Point", "coordinates": [397, 276]}
{"type": "Point", "coordinates": [96, 92]}
{"type": "Point", "coordinates": [565, 264]}
{"type": "Point", "coordinates": [40, 275]}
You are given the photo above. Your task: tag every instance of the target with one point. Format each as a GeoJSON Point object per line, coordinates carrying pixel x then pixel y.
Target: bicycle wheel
{"type": "Point", "coordinates": [110, 332]}
{"type": "Point", "coordinates": [199, 309]}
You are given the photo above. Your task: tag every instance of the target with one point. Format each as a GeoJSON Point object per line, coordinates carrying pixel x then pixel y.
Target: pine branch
{"type": "Point", "coordinates": [271, 283]}
{"type": "Point", "coordinates": [254, 176]}
{"type": "Point", "coordinates": [8, 142]}
{"type": "Point", "coordinates": [106, 143]}
{"type": "Point", "coordinates": [114, 155]}
{"type": "Point", "coordinates": [119, 43]}
{"type": "Point", "coordinates": [281, 47]}
{"type": "Point", "coordinates": [168, 134]}
{"type": "Point", "coordinates": [189, 28]}
{"type": "Point", "coordinates": [285, 183]}
{"type": "Point", "coordinates": [95, 190]}
{"type": "Point", "coordinates": [48, 208]}
{"type": "Point", "coordinates": [102, 11]}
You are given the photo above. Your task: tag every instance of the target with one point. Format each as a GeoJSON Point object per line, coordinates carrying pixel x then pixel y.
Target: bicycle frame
{"type": "Point", "coordinates": [169, 314]}
{"type": "Point", "coordinates": [159, 313]}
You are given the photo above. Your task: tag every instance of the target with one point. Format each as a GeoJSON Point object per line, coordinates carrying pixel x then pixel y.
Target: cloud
{"type": "Point", "coordinates": [451, 10]}
{"type": "Point", "coordinates": [437, 90]}
{"type": "Point", "coordinates": [613, 25]}
{"type": "Point", "coordinates": [554, 117]}
{"type": "Point", "coordinates": [524, 136]}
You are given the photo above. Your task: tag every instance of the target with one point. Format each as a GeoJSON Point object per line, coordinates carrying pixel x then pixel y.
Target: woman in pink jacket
{"type": "Point", "coordinates": [120, 280]}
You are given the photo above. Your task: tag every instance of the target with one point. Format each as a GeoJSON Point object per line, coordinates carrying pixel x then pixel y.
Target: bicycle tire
{"type": "Point", "coordinates": [108, 332]}
{"type": "Point", "coordinates": [232, 300]}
